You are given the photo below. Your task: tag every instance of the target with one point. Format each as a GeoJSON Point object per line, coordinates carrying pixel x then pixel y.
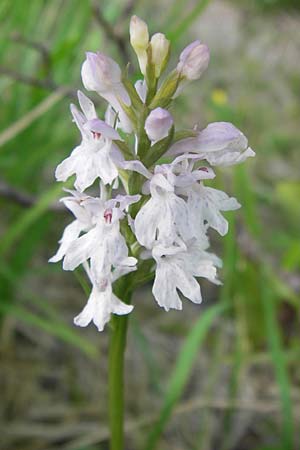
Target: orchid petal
{"type": "Point", "coordinates": [137, 166]}
{"type": "Point", "coordinates": [87, 106]}
{"type": "Point", "coordinates": [70, 233]}
{"type": "Point", "coordinates": [103, 128]}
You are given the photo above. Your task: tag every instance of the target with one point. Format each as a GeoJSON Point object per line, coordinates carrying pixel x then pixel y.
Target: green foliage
{"type": "Point", "coordinates": [261, 253]}
{"type": "Point", "coordinates": [181, 372]}
{"type": "Point", "coordinates": [280, 369]}
{"type": "Point", "coordinates": [270, 5]}
{"type": "Point", "coordinates": [180, 27]}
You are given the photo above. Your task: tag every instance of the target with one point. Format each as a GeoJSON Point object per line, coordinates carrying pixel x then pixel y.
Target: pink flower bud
{"type": "Point", "coordinates": [158, 124]}
{"type": "Point", "coordinates": [99, 72]}
{"type": "Point", "coordinates": [220, 143]}
{"type": "Point", "coordinates": [193, 60]}
{"type": "Point", "coordinates": [102, 74]}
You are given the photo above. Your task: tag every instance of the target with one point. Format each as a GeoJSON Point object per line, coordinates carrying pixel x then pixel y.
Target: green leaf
{"type": "Point", "coordinates": [186, 358]}
{"type": "Point", "coordinates": [159, 149]}
{"type": "Point", "coordinates": [174, 33]}
{"type": "Point", "coordinates": [277, 355]}
{"type": "Point", "coordinates": [146, 351]}
{"type": "Point", "coordinates": [288, 193]}
{"type": "Point", "coordinates": [291, 258]}
{"type": "Point", "coordinates": [53, 327]}
{"type": "Point", "coordinates": [29, 217]}
{"type": "Point", "coordinates": [247, 199]}
{"type": "Point", "coordinates": [134, 97]}
{"type": "Point", "coordinates": [166, 91]}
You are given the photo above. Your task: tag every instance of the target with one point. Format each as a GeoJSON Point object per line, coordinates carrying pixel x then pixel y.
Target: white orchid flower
{"type": "Point", "coordinates": [165, 217]}
{"type": "Point", "coordinates": [84, 221]}
{"type": "Point", "coordinates": [176, 269]}
{"type": "Point", "coordinates": [102, 302]}
{"type": "Point", "coordinates": [204, 206]}
{"type": "Point", "coordinates": [96, 156]}
{"type": "Point", "coordinates": [103, 244]}
{"type": "Point", "coordinates": [220, 143]}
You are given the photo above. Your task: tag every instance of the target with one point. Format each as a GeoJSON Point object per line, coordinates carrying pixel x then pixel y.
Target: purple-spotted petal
{"type": "Point", "coordinates": [99, 126]}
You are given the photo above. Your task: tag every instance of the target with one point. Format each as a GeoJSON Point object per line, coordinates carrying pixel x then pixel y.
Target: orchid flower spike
{"type": "Point", "coordinates": [149, 184]}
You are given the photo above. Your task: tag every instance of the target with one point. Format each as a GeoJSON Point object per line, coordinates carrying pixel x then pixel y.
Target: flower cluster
{"type": "Point", "coordinates": [152, 215]}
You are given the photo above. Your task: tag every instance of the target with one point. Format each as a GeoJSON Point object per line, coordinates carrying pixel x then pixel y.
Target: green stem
{"type": "Point", "coordinates": [116, 379]}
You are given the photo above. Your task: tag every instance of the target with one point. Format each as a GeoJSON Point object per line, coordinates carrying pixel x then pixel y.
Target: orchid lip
{"type": "Point", "coordinates": [96, 135]}
{"type": "Point", "coordinates": [103, 284]}
{"type": "Point", "coordinates": [107, 215]}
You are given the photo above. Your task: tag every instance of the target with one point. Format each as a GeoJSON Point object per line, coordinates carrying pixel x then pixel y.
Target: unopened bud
{"type": "Point", "coordinates": [193, 60]}
{"type": "Point", "coordinates": [160, 47]}
{"type": "Point", "coordinates": [139, 39]}
{"type": "Point", "coordinates": [99, 72]}
{"type": "Point", "coordinates": [139, 36]}
{"type": "Point", "coordinates": [102, 74]}
{"type": "Point", "coordinates": [158, 124]}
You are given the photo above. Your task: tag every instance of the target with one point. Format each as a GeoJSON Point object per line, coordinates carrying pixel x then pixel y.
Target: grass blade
{"type": "Point", "coordinates": [32, 115]}
{"type": "Point", "coordinates": [52, 327]}
{"type": "Point", "coordinates": [277, 355]}
{"type": "Point", "coordinates": [29, 217]}
{"type": "Point", "coordinates": [145, 349]}
{"type": "Point", "coordinates": [187, 21]}
{"type": "Point", "coordinates": [183, 367]}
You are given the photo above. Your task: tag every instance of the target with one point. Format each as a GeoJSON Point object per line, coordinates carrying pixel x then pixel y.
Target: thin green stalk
{"type": "Point", "coordinates": [116, 379]}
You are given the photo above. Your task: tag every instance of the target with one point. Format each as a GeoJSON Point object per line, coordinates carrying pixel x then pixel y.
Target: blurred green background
{"type": "Point", "coordinates": [209, 377]}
